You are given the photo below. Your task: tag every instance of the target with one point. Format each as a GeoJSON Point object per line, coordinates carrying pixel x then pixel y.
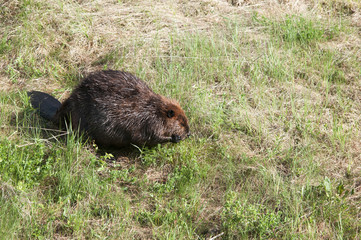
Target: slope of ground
{"type": "Point", "coordinates": [272, 92]}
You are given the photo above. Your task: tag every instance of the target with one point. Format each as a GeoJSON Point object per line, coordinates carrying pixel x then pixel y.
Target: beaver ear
{"type": "Point", "coordinates": [170, 113]}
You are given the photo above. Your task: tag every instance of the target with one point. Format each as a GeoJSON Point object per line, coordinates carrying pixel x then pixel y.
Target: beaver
{"type": "Point", "coordinates": [116, 109]}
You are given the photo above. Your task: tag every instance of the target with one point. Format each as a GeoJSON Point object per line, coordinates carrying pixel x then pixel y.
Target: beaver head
{"type": "Point", "coordinates": [175, 121]}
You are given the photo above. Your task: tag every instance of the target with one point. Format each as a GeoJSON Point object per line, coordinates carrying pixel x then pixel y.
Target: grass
{"type": "Point", "coordinates": [271, 93]}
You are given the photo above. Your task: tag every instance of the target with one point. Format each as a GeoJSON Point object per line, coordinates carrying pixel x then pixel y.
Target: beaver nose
{"type": "Point", "coordinates": [189, 134]}
{"type": "Point", "coordinates": [176, 138]}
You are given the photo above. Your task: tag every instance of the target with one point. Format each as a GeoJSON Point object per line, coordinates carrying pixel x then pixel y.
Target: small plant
{"type": "Point", "coordinates": [24, 165]}
{"type": "Point", "coordinates": [242, 218]}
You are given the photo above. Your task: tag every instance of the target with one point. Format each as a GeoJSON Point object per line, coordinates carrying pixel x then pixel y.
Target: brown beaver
{"type": "Point", "coordinates": [116, 109]}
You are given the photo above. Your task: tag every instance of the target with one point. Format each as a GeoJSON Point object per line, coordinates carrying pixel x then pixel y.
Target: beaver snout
{"type": "Point", "coordinates": [176, 138]}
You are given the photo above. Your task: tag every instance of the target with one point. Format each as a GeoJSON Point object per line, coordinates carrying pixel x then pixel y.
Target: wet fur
{"type": "Point", "coordinates": [117, 109]}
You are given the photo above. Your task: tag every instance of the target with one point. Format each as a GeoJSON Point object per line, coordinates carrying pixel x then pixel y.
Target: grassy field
{"type": "Point", "coordinates": [272, 90]}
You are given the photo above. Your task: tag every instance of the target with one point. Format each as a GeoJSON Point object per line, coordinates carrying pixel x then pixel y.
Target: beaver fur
{"type": "Point", "coordinates": [117, 109]}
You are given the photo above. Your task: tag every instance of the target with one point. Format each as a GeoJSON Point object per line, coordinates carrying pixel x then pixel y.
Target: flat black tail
{"type": "Point", "coordinates": [45, 104]}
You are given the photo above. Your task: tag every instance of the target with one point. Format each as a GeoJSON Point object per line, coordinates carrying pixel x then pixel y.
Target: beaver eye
{"type": "Point", "coordinates": [170, 113]}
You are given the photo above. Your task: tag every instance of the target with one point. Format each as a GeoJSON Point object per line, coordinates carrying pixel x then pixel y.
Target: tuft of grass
{"type": "Point", "coordinates": [298, 29]}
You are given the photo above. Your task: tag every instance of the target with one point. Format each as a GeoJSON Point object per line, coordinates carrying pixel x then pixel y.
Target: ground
{"type": "Point", "coordinates": [272, 92]}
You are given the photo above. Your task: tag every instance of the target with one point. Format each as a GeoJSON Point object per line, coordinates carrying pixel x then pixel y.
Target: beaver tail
{"type": "Point", "coordinates": [45, 104]}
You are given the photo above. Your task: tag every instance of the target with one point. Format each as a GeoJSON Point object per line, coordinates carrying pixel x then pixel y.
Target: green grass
{"type": "Point", "coordinates": [272, 101]}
